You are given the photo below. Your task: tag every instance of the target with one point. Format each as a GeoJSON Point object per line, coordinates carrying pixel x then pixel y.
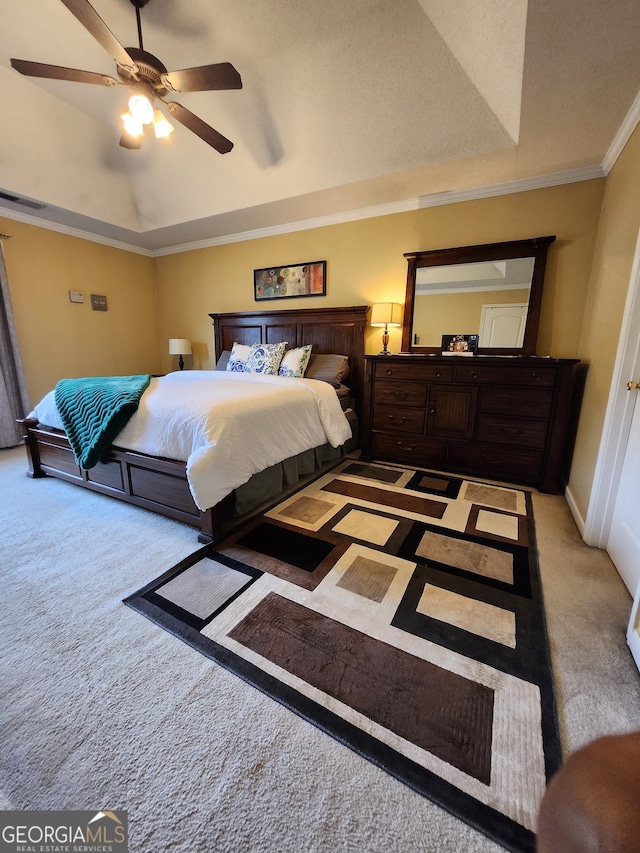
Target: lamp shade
{"type": "Point", "coordinates": [161, 127]}
{"type": "Point", "coordinates": [179, 346]}
{"type": "Point", "coordinates": [386, 314]}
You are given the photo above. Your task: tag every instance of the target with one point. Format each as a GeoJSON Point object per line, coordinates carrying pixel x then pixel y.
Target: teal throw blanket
{"type": "Point", "coordinates": [94, 410]}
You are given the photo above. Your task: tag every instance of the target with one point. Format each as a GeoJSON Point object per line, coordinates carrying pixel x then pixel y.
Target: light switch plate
{"type": "Point", "coordinates": [76, 296]}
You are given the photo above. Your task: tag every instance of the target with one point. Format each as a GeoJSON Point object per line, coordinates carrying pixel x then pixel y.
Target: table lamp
{"type": "Point", "coordinates": [179, 346]}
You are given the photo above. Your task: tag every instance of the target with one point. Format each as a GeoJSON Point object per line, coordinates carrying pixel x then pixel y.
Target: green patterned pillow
{"type": "Point", "coordinates": [295, 361]}
{"type": "Point", "coordinates": [265, 358]}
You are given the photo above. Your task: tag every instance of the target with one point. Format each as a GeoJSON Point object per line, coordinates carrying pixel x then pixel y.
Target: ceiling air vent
{"type": "Point", "coordinates": [24, 201]}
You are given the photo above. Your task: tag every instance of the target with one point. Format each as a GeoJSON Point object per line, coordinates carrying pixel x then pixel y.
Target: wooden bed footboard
{"type": "Point", "coordinates": [146, 481]}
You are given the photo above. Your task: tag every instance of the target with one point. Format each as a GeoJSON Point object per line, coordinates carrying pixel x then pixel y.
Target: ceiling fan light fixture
{"type": "Point", "coordinates": [141, 107]}
{"type": "Point", "coordinates": [161, 126]}
{"type": "Point", "coordinates": [148, 77]}
{"type": "Point", "coordinates": [132, 126]}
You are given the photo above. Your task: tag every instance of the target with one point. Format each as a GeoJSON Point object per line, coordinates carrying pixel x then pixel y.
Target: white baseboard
{"type": "Point", "coordinates": [633, 633]}
{"type": "Point", "coordinates": [575, 512]}
{"type": "Point", "coordinates": [634, 645]}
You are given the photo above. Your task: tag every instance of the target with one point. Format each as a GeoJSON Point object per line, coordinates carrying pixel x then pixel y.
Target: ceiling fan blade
{"type": "Point", "coordinates": [199, 127]}
{"type": "Point", "coordinates": [58, 72]}
{"type": "Point", "coordinates": [204, 78]}
{"type": "Point", "coordinates": [89, 18]}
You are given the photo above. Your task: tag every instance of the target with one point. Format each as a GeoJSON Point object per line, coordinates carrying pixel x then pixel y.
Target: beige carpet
{"type": "Point", "coordinates": [103, 710]}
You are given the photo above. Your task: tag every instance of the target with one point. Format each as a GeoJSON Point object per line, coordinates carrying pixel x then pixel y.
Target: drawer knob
{"type": "Point", "coordinates": [408, 448]}
{"type": "Point", "coordinates": [535, 376]}
{"type": "Point", "coordinates": [438, 374]}
{"type": "Point", "coordinates": [389, 371]}
{"type": "Point", "coordinates": [474, 374]}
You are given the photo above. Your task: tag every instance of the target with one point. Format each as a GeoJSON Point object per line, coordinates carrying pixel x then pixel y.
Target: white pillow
{"type": "Point", "coordinates": [265, 358]}
{"type": "Point", "coordinates": [295, 361]}
{"type": "Point", "coordinates": [238, 357]}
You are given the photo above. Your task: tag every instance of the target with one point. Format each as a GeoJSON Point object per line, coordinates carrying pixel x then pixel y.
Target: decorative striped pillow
{"type": "Point", "coordinates": [328, 367]}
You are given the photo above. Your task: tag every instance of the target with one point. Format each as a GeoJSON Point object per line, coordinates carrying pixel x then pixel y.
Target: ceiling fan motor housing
{"type": "Point", "coordinates": [150, 70]}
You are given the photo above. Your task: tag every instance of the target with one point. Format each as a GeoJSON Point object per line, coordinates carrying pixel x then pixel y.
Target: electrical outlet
{"type": "Point", "coordinates": [76, 296]}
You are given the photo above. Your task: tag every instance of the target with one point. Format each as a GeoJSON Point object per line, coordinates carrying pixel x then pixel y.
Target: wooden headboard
{"type": "Point", "coordinates": [329, 330]}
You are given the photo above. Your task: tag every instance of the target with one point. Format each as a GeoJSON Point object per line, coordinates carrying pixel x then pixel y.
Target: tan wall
{"type": "Point", "coordinates": [365, 263]}
{"type": "Point", "coordinates": [59, 338]}
{"type": "Point", "coordinates": [613, 259]}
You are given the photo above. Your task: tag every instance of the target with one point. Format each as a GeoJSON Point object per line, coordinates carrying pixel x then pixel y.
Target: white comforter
{"type": "Point", "coordinates": [226, 426]}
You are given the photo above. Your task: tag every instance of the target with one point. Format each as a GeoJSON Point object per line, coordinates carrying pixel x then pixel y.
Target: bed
{"type": "Point", "coordinates": [160, 484]}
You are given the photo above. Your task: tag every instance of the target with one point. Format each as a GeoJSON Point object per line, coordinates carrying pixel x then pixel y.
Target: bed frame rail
{"type": "Point", "coordinates": [146, 481]}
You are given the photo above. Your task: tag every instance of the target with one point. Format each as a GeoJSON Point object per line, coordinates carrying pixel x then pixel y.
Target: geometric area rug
{"type": "Point", "coordinates": [401, 612]}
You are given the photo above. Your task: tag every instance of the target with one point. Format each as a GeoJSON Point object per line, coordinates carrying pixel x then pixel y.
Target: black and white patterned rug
{"type": "Point", "coordinates": [401, 612]}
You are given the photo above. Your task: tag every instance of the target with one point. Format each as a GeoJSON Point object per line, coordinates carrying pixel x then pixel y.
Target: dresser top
{"type": "Point", "coordinates": [503, 360]}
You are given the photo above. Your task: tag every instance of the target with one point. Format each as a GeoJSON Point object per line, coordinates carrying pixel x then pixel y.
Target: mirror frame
{"type": "Point", "coordinates": [535, 248]}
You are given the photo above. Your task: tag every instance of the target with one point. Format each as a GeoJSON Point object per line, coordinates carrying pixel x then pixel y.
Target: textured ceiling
{"type": "Point", "coordinates": [344, 105]}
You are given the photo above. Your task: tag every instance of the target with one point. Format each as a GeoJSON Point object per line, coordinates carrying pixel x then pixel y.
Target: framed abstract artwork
{"type": "Point", "coordinates": [287, 282]}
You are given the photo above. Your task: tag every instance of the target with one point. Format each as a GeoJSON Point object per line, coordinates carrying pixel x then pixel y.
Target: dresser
{"type": "Point", "coordinates": [504, 418]}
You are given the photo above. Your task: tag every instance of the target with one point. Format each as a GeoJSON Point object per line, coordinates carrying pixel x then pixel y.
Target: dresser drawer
{"type": "Point", "coordinates": [498, 375]}
{"type": "Point", "coordinates": [398, 419]}
{"type": "Point", "coordinates": [400, 393]}
{"type": "Point", "coordinates": [411, 450]}
{"type": "Point", "coordinates": [422, 372]}
{"type": "Point", "coordinates": [500, 462]}
{"type": "Point", "coordinates": [517, 431]}
{"type": "Point", "coordinates": [531, 402]}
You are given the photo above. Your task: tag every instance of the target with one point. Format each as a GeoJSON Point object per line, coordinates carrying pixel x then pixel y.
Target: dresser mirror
{"type": "Point", "coordinates": [492, 290]}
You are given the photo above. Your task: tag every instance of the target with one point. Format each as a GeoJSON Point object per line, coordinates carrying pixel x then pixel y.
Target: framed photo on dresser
{"type": "Point", "coordinates": [460, 344]}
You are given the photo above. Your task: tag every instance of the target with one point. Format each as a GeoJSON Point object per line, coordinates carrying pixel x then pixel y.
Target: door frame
{"type": "Point", "coordinates": [617, 422]}
{"type": "Point", "coordinates": [633, 631]}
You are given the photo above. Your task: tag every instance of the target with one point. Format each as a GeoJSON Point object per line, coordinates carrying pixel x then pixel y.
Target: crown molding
{"type": "Point", "coordinates": [571, 176]}
{"type": "Point", "coordinates": [622, 136]}
{"type": "Point", "coordinates": [587, 173]}
{"type": "Point", "coordinates": [292, 227]}
{"type": "Point", "coordinates": [17, 216]}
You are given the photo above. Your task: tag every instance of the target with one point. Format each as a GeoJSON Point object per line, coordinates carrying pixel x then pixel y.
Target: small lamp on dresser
{"type": "Point", "coordinates": [386, 314]}
{"type": "Point", "coordinates": [179, 346]}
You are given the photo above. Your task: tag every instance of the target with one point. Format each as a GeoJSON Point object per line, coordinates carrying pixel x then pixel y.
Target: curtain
{"type": "Point", "coordinates": [14, 397]}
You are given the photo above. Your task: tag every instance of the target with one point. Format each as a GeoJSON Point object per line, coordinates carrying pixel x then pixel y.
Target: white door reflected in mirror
{"type": "Point", "coordinates": [503, 325]}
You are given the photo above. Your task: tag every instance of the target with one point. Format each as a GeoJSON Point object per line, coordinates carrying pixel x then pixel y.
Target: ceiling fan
{"type": "Point", "coordinates": [147, 76]}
